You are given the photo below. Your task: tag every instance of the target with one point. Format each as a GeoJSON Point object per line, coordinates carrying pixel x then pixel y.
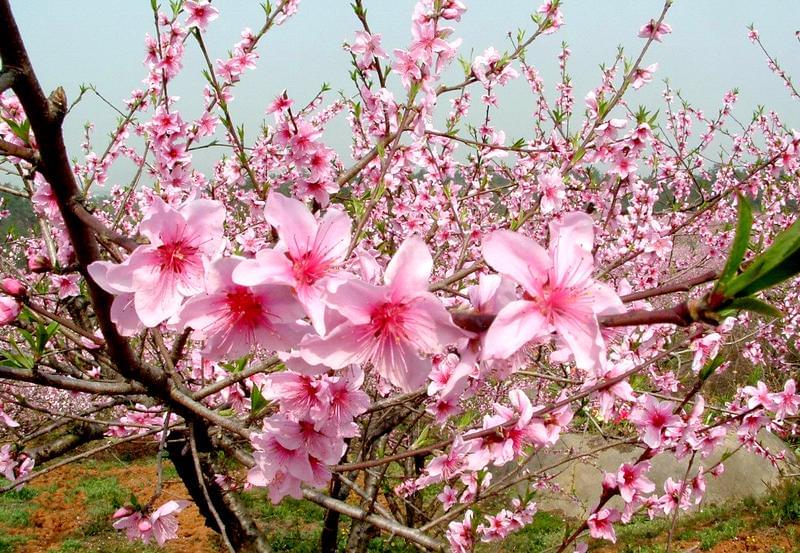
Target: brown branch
{"type": "Point", "coordinates": [64, 322]}
{"type": "Point", "coordinates": [68, 383]}
{"type": "Point", "coordinates": [101, 229]}
{"type": "Point", "coordinates": [201, 480]}
{"type": "Point", "coordinates": [45, 116]}
{"type": "Point", "coordinates": [73, 459]}
{"type": "Point", "coordinates": [79, 434]}
{"type": "Point", "coordinates": [353, 172]}
{"type": "Point", "coordinates": [671, 288]}
{"type": "Point", "coordinates": [678, 315]}
{"type": "Point", "coordinates": [390, 526]}
{"type": "Point", "coordinates": [220, 385]}
{"type": "Point", "coordinates": [7, 78]}
{"type": "Point", "coordinates": [14, 150]}
{"type": "Point", "coordinates": [455, 277]}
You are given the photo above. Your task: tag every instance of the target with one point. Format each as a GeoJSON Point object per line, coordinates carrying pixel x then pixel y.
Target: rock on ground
{"type": "Point", "coordinates": [746, 474]}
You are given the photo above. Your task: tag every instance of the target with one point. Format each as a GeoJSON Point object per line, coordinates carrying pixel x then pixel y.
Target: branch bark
{"type": "Point", "coordinates": [15, 150]}
{"type": "Point", "coordinates": [411, 534]}
{"type": "Point", "coordinates": [73, 384]}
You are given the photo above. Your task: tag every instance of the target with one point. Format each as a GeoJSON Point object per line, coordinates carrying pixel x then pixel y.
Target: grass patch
{"type": "Point", "coordinates": [9, 543]}
{"type": "Point", "coordinates": [170, 472]}
{"type": "Point", "coordinates": [292, 525]}
{"type": "Point", "coordinates": [15, 507]}
{"type": "Point", "coordinates": [783, 505]}
{"type": "Point", "coordinates": [543, 533]}
{"type": "Point", "coordinates": [642, 528]}
{"type": "Point", "coordinates": [103, 497]}
{"type": "Point", "coordinates": [70, 545]}
{"type": "Point", "coordinates": [385, 545]}
{"type": "Point", "coordinates": [289, 512]}
{"type": "Point", "coordinates": [103, 544]}
{"type": "Point", "coordinates": [726, 530]}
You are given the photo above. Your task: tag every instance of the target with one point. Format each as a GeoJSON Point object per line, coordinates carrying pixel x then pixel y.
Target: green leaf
{"type": "Point", "coordinates": [578, 155]}
{"type": "Point", "coordinates": [740, 242]}
{"type": "Point", "coordinates": [28, 338]}
{"type": "Point", "coordinates": [780, 262]}
{"type": "Point", "coordinates": [711, 366]}
{"type": "Point", "coordinates": [20, 130]}
{"type": "Point", "coordinates": [257, 401]}
{"type": "Point", "coordinates": [466, 419]}
{"type": "Point", "coordinates": [422, 439]}
{"type": "Point", "coordinates": [755, 305]}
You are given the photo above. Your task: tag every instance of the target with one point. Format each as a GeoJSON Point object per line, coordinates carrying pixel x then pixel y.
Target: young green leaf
{"type": "Point", "coordinates": [754, 305]}
{"type": "Point", "coordinates": [257, 401]}
{"type": "Point", "coordinates": [780, 262]}
{"type": "Point", "coordinates": [711, 366]}
{"type": "Point", "coordinates": [740, 242]}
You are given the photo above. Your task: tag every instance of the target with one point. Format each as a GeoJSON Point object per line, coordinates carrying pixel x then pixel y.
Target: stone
{"type": "Point", "coordinates": [746, 474]}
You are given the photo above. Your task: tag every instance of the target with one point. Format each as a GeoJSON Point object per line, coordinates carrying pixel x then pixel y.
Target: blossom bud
{"type": "Point", "coordinates": [9, 310]}
{"type": "Point", "coordinates": [13, 287]}
{"type": "Point", "coordinates": [122, 512]}
{"type": "Point", "coordinates": [39, 264]}
{"type": "Point", "coordinates": [609, 481]}
{"type": "Point", "coordinates": [144, 525]}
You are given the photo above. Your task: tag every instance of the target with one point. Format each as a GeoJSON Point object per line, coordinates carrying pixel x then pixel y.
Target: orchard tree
{"type": "Point", "coordinates": [424, 313]}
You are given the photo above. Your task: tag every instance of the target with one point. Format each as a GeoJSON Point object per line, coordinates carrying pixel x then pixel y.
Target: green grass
{"type": "Point", "coordinates": [15, 507]}
{"type": "Point", "coordinates": [715, 524]}
{"type": "Point", "coordinates": [642, 528]}
{"type": "Point", "coordinates": [103, 544]}
{"type": "Point", "coordinates": [783, 506]}
{"type": "Point", "coordinates": [711, 536]}
{"type": "Point", "coordinates": [296, 526]}
{"type": "Point", "coordinates": [543, 533]}
{"type": "Point", "coordinates": [292, 525]}
{"type": "Point", "coordinates": [9, 543]}
{"type": "Point", "coordinates": [656, 548]}
{"type": "Point", "coordinates": [385, 545]}
{"type": "Point", "coordinates": [103, 497]}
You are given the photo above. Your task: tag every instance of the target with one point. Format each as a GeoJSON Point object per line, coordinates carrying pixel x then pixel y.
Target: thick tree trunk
{"type": "Point", "coordinates": [239, 526]}
{"type": "Point", "coordinates": [78, 434]}
{"type": "Point", "coordinates": [329, 539]}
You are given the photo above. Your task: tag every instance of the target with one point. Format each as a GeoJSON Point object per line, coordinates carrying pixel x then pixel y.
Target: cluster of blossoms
{"type": "Point", "coordinates": [161, 525]}
{"type": "Point", "coordinates": [405, 309]}
{"type": "Point", "coordinates": [297, 444]}
{"type": "Point", "coordinates": [14, 466]}
{"type": "Point", "coordinates": [139, 420]}
{"type": "Point", "coordinates": [297, 299]}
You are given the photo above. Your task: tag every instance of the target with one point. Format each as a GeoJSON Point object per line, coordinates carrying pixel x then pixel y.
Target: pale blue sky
{"type": "Point", "coordinates": [101, 42]}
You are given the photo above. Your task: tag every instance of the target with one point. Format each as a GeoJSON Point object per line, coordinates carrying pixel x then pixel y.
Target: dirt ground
{"type": "Point", "coordinates": [60, 514]}
{"type": "Point", "coordinates": [761, 539]}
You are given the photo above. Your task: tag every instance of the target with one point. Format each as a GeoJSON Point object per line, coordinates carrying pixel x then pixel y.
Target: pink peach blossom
{"type": "Point", "coordinates": [161, 274]}
{"type": "Point", "coordinates": [563, 297]}
{"type": "Point", "coordinates": [233, 318]}
{"type": "Point", "coordinates": [388, 325]}
{"type": "Point", "coordinates": [306, 257]}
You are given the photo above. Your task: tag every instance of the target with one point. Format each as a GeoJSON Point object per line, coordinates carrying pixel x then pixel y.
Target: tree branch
{"type": "Point", "coordinates": [73, 384]}
{"type": "Point", "coordinates": [411, 534]}
{"type": "Point", "coordinates": [684, 286]}
{"type": "Point", "coordinates": [14, 150]}
{"type": "Point", "coordinates": [7, 78]}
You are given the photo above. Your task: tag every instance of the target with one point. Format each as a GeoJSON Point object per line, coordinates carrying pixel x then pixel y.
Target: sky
{"type": "Point", "coordinates": [102, 42]}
